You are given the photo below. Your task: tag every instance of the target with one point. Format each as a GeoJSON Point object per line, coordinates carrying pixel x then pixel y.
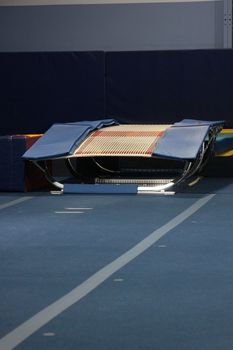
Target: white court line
{"type": "Point", "coordinates": [78, 208]}
{"type": "Point", "coordinates": [69, 212]}
{"type": "Point", "coordinates": [14, 202]}
{"type": "Point", "coordinates": [22, 332]}
{"type": "Point", "coordinates": [73, 211]}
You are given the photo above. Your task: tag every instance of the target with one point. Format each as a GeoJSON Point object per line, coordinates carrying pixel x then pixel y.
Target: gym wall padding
{"type": "Point", "coordinates": [167, 86]}
{"type": "Point", "coordinates": [38, 89]}
{"type": "Point", "coordinates": [15, 174]}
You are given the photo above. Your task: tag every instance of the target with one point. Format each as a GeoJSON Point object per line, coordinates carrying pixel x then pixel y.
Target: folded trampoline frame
{"type": "Point", "coordinates": [190, 168]}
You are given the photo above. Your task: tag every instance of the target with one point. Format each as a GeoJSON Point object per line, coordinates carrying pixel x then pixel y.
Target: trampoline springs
{"type": "Point", "coordinates": [143, 182]}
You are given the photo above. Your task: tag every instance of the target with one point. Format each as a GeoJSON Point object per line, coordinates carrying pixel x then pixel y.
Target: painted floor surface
{"type": "Point", "coordinates": [176, 295]}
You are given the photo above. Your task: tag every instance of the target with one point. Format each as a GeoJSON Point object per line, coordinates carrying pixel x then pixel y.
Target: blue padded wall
{"type": "Point", "coordinates": [38, 89]}
{"type": "Point", "coordinates": [41, 88]}
{"type": "Point", "coordinates": [167, 86]}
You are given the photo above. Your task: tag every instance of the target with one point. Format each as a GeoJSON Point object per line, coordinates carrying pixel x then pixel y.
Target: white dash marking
{"type": "Point", "coordinates": [49, 334]}
{"type": "Point", "coordinates": [118, 280]}
{"type": "Point", "coordinates": [78, 208]}
{"type": "Point", "coordinates": [69, 212]}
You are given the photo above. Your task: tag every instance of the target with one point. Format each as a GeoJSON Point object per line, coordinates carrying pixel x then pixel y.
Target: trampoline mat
{"type": "Point", "coordinates": [121, 140]}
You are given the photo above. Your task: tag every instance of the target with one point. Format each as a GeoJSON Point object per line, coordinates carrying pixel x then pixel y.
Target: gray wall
{"type": "Point", "coordinates": [112, 27]}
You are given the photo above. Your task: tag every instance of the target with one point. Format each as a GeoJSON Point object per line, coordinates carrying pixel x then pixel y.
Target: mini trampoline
{"type": "Point", "coordinates": [103, 156]}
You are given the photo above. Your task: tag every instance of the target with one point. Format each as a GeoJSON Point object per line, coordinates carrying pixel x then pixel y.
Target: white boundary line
{"type": "Point", "coordinates": [78, 208]}
{"type": "Point", "coordinates": [69, 212]}
{"type": "Point", "coordinates": [22, 332]}
{"type": "Point", "coordinates": [14, 202]}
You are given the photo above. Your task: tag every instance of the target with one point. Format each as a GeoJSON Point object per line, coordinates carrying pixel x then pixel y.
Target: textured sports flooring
{"type": "Point", "coordinates": [122, 272]}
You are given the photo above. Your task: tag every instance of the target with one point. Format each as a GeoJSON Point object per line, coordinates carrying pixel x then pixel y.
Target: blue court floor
{"type": "Point", "coordinates": [118, 272]}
